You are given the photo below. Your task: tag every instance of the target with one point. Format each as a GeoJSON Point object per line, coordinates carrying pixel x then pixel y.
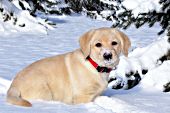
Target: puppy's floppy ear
{"type": "Point", "coordinates": [125, 42]}
{"type": "Point", "coordinates": [85, 42]}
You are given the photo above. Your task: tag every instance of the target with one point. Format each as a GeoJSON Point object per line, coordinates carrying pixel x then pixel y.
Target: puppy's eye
{"type": "Point", "coordinates": [98, 45]}
{"type": "Point", "coordinates": [114, 43]}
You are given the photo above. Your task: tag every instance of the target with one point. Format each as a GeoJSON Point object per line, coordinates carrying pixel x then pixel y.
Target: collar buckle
{"type": "Point", "coordinates": [103, 69]}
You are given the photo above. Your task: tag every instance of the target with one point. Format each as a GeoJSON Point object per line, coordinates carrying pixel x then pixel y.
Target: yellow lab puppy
{"type": "Point", "coordinates": [76, 77]}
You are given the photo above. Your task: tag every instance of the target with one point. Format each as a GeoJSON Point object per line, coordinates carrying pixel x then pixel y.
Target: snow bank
{"type": "Point", "coordinates": [157, 77]}
{"type": "Point", "coordinates": [4, 85]}
{"type": "Point", "coordinates": [146, 58]}
{"type": "Point", "coordinates": [19, 20]}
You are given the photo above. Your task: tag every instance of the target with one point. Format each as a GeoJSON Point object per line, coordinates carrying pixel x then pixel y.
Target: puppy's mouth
{"type": "Point", "coordinates": [108, 62]}
{"type": "Point", "coordinates": [108, 59]}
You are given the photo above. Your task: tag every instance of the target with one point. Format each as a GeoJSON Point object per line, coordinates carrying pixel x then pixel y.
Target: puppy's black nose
{"type": "Point", "coordinates": [107, 56]}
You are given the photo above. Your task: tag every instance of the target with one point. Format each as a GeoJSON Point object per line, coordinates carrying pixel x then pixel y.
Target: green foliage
{"type": "Point", "coordinates": [46, 7]}
{"type": "Point", "coordinates": [8, 15]}
{"type": "Point", "coordinates": [126, 18]}
{"type": "Point", "coordinates": [75, 5]}
{"type": "Point", "coordinates": [95, 8]}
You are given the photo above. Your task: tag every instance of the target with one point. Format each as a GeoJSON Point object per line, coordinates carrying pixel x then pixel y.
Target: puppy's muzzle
{"type": "Point", "coordinates": [107, 56]}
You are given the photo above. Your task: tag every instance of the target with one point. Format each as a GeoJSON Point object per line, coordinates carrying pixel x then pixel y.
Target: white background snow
{"type": "Point", "coordinates": [19, 49]}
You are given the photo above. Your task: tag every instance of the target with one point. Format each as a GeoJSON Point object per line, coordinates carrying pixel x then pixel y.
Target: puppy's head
{"type": "Point", "coordinates": [104, 45]}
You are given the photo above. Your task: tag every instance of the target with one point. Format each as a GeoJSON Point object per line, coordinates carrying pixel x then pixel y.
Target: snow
{"type": "Point", "coordinates": [21, 49]}
{"type": "Point", "coordinates": [16, 3]}
{"type": "Point", "coordinates": [137, 7]}
{"type": "Point", "coordinates": [110, 2]}
{"type": "Point", "coordinates": [159, 79]}
{"type": "Point", "coordinates": [23, 18]}
{"type": "Point", "coordinates": [52, 1]}
{"type": "Point", "coordinates": [141, 6]}
{"type": "Point", "coordinates": [21, 46]}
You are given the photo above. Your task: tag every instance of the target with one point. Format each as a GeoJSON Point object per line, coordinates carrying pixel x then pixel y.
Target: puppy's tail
{"type": "Point", "coordinates": [14, 97]}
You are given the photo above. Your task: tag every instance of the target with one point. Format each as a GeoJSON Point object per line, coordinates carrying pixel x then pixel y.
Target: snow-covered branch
{"type": "Point", "coordinates": [14, 19]}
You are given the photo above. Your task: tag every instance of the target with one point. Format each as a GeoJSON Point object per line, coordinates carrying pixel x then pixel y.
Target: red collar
{"type": "Point", "coordinates": [99, 68]}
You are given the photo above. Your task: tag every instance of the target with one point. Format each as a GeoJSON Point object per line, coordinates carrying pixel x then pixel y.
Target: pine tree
{"type": "Point", "coordinates": [8, 13]}
{"type": "Point", "coordinates": [94, 8]}
{"type": "Point", "coordinates": [110, 11]}
{"type": "Point", "coordinates": [100, 9]}
{"type": "Point", "coordinates": [126, 18]}
{"type": "Point", "coordinates": [44, 6]}
{"type": "Point", "coordinates": [74, 5]}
